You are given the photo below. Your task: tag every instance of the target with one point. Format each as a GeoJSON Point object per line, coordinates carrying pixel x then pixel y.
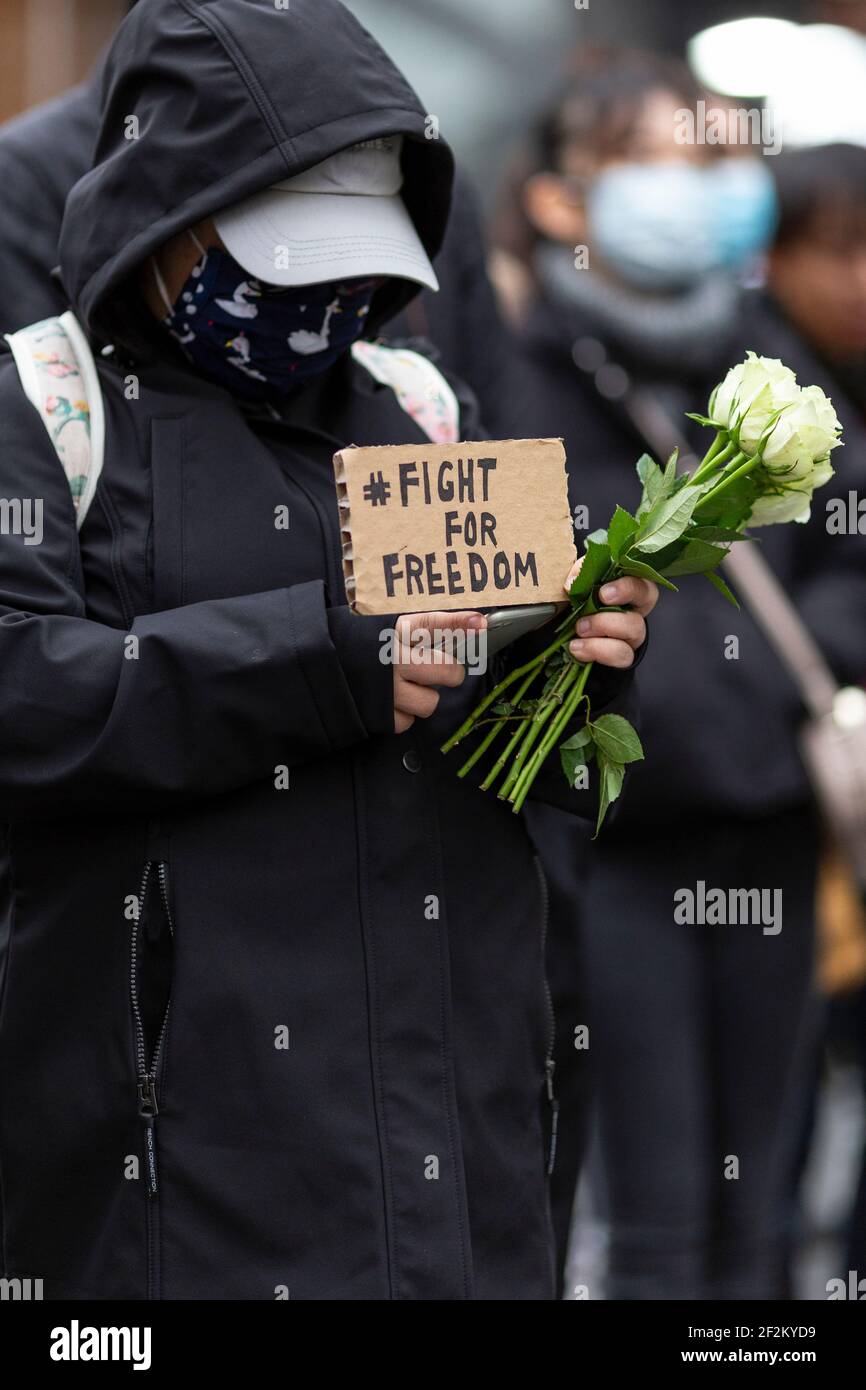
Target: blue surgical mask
{"type": "Point", "coordinates": [258, 339]}
{"type": "Point", "coordinates": [663, 227]}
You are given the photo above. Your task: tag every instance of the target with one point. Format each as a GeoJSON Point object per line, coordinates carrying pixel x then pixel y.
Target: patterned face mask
{"type": "Point", "coordinates": [257, 339]}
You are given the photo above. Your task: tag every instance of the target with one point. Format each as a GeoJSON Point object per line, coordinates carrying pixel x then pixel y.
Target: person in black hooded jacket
{"type": "Point", "coordinates": [695, 1030]}
{"type": "Point", "coordinates": [274, 1022]}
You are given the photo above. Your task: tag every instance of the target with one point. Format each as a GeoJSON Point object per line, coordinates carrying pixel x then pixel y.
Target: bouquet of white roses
{"type": "Point", "coordinates": [771, 450]}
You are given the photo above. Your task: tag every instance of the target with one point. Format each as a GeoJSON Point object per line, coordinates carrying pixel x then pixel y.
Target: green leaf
{"type": "Point", "coordinates": [553, 669]}
{"type": "Point", "coordinates": [611, 777]}
{"type": "Point", "coordinates": [652, 480]}
{"type": "Point", "coordinates": [670, 473]}
{"type": "Point", "coordinates": [581, 739]}
{"type": "Point", "coordinates": [719, 583]}
{"type": "Point", "coordinates": [667, 520]}
{"type": "Point", "coordinates": [647, 468]}
{"type": "Point", "coordinates": [575, 753]}
{"type": "Point", "coordinates": [623, 526]}
{"type": "Point", "coordinates": [731, 508]}
{"type": "Point", "coordinates": [615, 738]}
{"type": "Point", "coordinates": [697, 558]}
{"type": "Point", "coordinates": [701, 419]}
{"type": "Point", "coordinates": [598, 537]}
{"type": "Point", "coordinates": [715, 533]}
{"type": "Point", "coordinates": [595, 565]}
{"type": "Point", "coordinates": [660, 559]}
{"type": "Point", "coordinates": [572, 765]}
{"type": "Point", "coordinates": [641, 571]}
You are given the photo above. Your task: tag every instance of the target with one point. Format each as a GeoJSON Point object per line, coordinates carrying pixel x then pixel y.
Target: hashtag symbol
{"type": "Point", "coordinates": [377, 491]}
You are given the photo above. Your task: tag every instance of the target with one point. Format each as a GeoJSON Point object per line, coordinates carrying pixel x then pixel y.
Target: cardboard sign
{"type": "Point", "coordinates": [446, 526]}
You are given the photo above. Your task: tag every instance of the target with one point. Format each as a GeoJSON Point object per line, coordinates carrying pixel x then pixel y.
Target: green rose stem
{"type": "Point", "coordinates": [501, 760]}
{"type": "Point", "coordinates": [536, 725]}
{"type": "Point", "coordinates": [482, 748]}
{"type": "Point", "coordinates": [519, 733]}
{"type": "Point", "coordinates": [728, 478]}
{"type": "Point", "coordinates": [534, 665]}
{"type": "Point", "coordinates": [718, 453]}
{"type": "Point", "coordinates": [726, 462]}
{"type": "Point", "coordinates": [522, 787]}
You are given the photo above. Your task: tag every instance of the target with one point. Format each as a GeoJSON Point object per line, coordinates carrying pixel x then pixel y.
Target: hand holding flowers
{"type": "Point", "coordinates": [771, 450]}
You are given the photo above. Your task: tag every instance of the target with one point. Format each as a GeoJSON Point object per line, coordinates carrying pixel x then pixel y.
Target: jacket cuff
{"type": "Point", "coordinates": [359, 645]}
{"type": "Point", "coordinates": [607, 684]}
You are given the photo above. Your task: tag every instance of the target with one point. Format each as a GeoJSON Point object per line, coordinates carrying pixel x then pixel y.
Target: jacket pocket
{"type": "Point", "coordinates": [151, 954]}
{"type": "Point", "coordinates": [549, 1062]}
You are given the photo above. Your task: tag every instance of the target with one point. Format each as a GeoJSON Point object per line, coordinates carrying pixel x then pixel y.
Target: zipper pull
{"type": "Point", "coordinates": [549, 1069]}
{"type": "Point", "coordinates": [148, 1110]}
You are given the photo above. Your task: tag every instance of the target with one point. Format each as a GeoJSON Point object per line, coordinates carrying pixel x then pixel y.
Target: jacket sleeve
{"type": "Point", "coordinates": [189, 702]}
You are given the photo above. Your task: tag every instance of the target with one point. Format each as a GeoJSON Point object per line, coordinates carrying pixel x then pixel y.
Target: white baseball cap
{"type": "Point", "coordinates": [341, 219]}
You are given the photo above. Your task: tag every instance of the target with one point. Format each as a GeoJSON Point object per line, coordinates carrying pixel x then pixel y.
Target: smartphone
{"type": "Point", "coordinates": [506, 625]}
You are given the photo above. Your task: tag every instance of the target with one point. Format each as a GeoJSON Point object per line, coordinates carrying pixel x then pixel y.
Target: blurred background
{"type": "Point", "coordinates": [493, 73]}
{"type": "Point", "coordinates": [463, 60]}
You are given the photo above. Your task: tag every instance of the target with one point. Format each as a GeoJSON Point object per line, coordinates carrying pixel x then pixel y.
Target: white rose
{"type": "Point", "coordinates": [750, 396]}
{"type": "Point", "coordinates": [791, 502]}
{"type": "Point", "coordinates": [795, 428]}
{"type": "Point", "coordinates": [805, 433]}
{"type": "Point", "coordinates": [774, 508]}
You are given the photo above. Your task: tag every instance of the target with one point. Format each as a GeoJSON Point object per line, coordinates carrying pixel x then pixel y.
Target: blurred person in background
{"type": "Point", "coordinates": [817, 265]}
{"type": "Point", "coordinates": [817, 278]}
{"type": "Point", "coordinates": [42, 154]}
{"type": "Point", "coordinates": [849, 13]}
{"type": "Point", "coordinates": [619, 251]}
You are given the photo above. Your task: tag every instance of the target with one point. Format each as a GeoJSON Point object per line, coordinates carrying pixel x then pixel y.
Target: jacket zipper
{"type": "Point", "coordinates": [147, 1068]}
{"type": "Point", "coordinates": [549, 1062]}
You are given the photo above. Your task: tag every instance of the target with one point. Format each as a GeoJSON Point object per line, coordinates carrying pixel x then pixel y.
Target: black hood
{"type": "Point", "coordinates": [205, 102]}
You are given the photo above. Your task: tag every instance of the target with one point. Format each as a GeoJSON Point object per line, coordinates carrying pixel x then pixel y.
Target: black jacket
{"type": "Point", "coordinates": [380, 917]}
{"type": "Point", "coordinates": [719, 733]}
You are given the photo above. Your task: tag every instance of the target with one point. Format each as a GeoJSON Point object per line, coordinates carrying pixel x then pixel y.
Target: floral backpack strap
{"type": "Point", "coordinates": [59, 378]}
{"type": "Point", "coordinates": [419, 386]}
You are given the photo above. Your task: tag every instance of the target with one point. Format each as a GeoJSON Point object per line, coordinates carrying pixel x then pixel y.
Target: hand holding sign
{"type": "Point", "coordinates": [421, 668]}
{"type": "Point", "coordinates": [453, 526]}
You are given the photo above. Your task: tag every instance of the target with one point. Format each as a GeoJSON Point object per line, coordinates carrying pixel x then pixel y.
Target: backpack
{"type": "Point", "coordinates": [59, 377]}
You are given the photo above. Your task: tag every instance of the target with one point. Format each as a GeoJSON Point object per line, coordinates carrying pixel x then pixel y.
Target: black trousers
{"type": "Point", "coordinates": [699, 1039]}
